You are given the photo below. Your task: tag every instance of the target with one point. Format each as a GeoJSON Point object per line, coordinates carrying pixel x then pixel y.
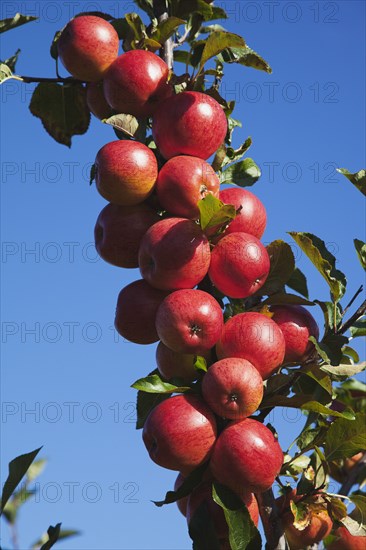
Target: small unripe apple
{"type": "Point", "coordinates": [189, 321]}
{"type": "Point", "coordinates": [172, 364]}
{"type": "Point", "coordinates": [136, 83]}
{"type": "Point", "coordinates": [182, 182]}
{"type": "Point", "coordinates": [296, 324]}
{"type": "Point", "coordinates": [174, 254]}
{"type": "Point", "coordinates": [246, 454]}
{"type": "Point", "coordinates": [190, 123]}
{"type": "Point", "coordinates": [118, 232]}
{"type": "Point", "coordinates": [233, 388]}
{"type": "Point", "coordinates": [252, 216]}
{"type": "Point", "coordinates": [346, 541]}
{"type": "Point", "coordinates": [87, 46]}
{"type": "Point", "coordinates": [239, 265]}
{"type": "Point", "coordinates": [180, 433]}
{"type": "Point", "coordinates": [136, 309]}
{"type": "Point", "coordinates": [254, 337]}
{"type": "Point", "coordinates": [126, 172]}
{"type": "Point", "coordinates": [96, 101]}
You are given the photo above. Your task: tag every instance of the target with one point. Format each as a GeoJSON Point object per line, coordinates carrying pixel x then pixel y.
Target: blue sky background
{"type": "Point", "coordinates": [305, 119]}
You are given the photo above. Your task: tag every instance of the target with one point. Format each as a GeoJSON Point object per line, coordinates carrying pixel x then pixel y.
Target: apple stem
{"type": "Point", "coordinates": [272, 524]}
{"type": "Point", "coordinates": [161, 13]}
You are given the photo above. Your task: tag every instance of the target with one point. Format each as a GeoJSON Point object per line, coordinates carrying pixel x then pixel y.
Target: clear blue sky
{"type": "Point", "coordinates": [60, 354]}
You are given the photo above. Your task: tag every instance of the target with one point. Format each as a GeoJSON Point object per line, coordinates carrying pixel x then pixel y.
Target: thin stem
{"type": "Point", "coordinates": [353, 299]}
{"type": "Point", "coordinates": [359, 313]}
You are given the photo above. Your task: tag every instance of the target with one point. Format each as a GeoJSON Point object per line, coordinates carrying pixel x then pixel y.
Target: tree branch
{"type": "Point", "coordinates": [359, 313]}
{"type": "Point", "coordinates": [35, 79]}
{"type": "Point", "coordinates": [272, 524]}
{"type": "Point", "coordinates": [161, 13]}
{"type": "Point", "coordinates": [352, 476]}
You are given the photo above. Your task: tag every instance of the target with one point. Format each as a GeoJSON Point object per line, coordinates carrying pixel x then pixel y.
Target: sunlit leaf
{"type": "Point", "coordinates": [244, 173]}
{"type": "Point", "coordinates": [346, 438]}
{"type": "Point", "coordinates": [154, 384]}
{"type": "Point", "coordinates": [16, 21]}
{"type": "Point", "coordinates": [358, 179]}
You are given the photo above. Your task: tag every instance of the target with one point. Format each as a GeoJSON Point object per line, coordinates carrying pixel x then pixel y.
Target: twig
{"type": "Point", "coordinates": [34, 79]}
{"type": "Point", "coordinates": [359, 313]}
{"type": "Point", "coordinates": [353, 299]}
{"type": "Point", "coordinates": [272, 524]}
{"type": "Point", "coordinates": [161, 13]}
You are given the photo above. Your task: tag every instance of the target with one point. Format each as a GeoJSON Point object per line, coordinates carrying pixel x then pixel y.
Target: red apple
{"type": "Point", "coordinates": [252, 216]}
{"type": "Point", "coordinates": [96, 101]}
{"type": "Point", "coordinates": [254, 337]}
{"type": "Point", "coordinates": [296, 324]}
{"type": "Point", "coordinates": [177, 365]}
{"type": "Point", "coordinates": [182, 182]}
{"type": "Point", "coordinates": [137, 305]}
{"type": "Point", "coordinates": [182, 502]}
{"type": "Point", "coordinates": [202, 495]}
{"type": "Point", "coordinates": [174, 254]}
{"type": "Point", "coordinates": [246, 454]}
{"type": "Point", "coordinates": [136, 82]}
{"type": "Point", "coordinates": [126, 172]}
{"type": "Point", "coordinates": [319, 527]}
{"type": "Point", "coordinates": [180, 433]}
{"type": "Point", "coordinates": [189, 321]}
{"type": "Point", "coordinates": [239, 265]}
{"type": "Point", "coordinates": [233, 388]}
{"type": "Point", "coordinates": [119, 230]}
{"type": "Point", "coordinates": [190, 123]}
{"type": "Point", "coordinates": [346, 541]}
{"type": "Point", "coordinates": [87, 46]}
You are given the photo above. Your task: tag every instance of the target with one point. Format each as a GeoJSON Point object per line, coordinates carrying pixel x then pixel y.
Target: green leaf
{"type": "Point", "coordinates": [17, 469]}
{"type": "Point", "coordinates": [35, 469]}
{"type": "Point", "coordinates": [245, 56]}
{"type": "Point", "coordinates": [346, 438]}
{"type": "Point", "coordinates": [298, 282]}
{"type": "Point", "coordinates": [186, 8]}
{"type": "Point", "coordinates": [323, 260]}
{"type": "Point", "coordinates": [62, 109]}
{"type": "Point", "coordinates": [128, 125]}
{"type": "Point", "coordinates": [281, 298]}
{"type": "Point", "coordinates": [147, 6]}
{"type": "Point", "coordinates": [244, 173]}
{"type": "Point", "coordinates": [332, 315]}
{"type": "Point", "coordinates": [145, 404]}
{"type": "Point", "coordinates": [314, 406]}
{"type": "Point", "coordinates": [200, 364]}
{"type": "Point", "coordinates": [16, 21]}
{"type": "Point", "coordinates": [358, 328]}
{"type": "Point", "coordinates": [336, 509]}
{"type": "Point", "coordinates": [361, 251]}
{"type": "Point", "coordinates": [217, 42]}
{"type": "Point", "coordinates": [53, 536]}
{"type": "Point", "coordinates": [11, 62]}
{"type": "Point", "coordinates": [62, 534]}
{"type": "Point", "coordinates": [5, 73]}
{"type": "Point", "coordinates": [214, 213]}
{"type": "Point", "coordinates": [320, 377]}
{"type": "Point", "coordinates": [190, 483]}
{"type": "Point", "coordinates": [282, 266]}
{"type": "Point", "coordinates": [358, 179]}
{"type": "Point", "coordinates": [308, 438]}
{"type": "Point", "coordinates": [360, 512]}
{"type": "Point", "coordinates": [167, 28]}
{"type": "Point", "coordinates": [295, 466]}
{"type": "Point", "coordinates": [154, 384]}
{"type": "Point", "coordinates": [137, 26]}
{"type": "Point", "coordinates": [345, 370]}
{"type": "Point", "coordinates": [201, 529]}
{"type": "Point", "coordinates": [330, 348]}
{"type": "Point", "coordinates": [243, 534]}
{"type": "Point", "coordinates": [54, 47]}
{"type": "Point", "coordinates": [350, 352]}
{"type": "Point", "coordinates": [234, 155]}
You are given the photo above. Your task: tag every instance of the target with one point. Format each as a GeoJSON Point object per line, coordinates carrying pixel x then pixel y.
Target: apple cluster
{"type": "Point", "coordinates": [152, 222]}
